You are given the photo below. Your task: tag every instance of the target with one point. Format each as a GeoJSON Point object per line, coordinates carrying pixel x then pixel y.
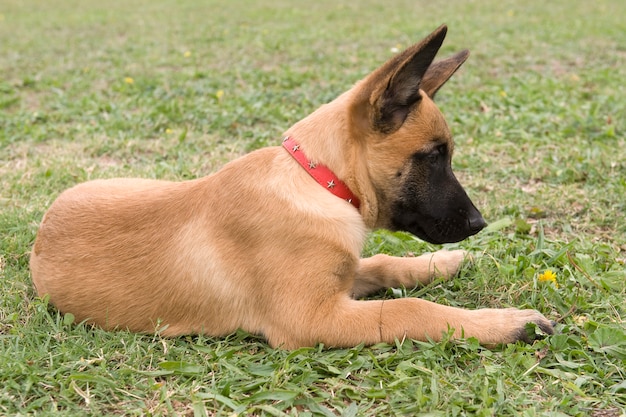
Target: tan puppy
{"type": "Point", "coordinates": [269, 243]}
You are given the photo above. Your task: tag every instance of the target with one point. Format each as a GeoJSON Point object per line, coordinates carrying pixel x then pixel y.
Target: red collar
{"type": "Point", "coordinates": [324, 176]}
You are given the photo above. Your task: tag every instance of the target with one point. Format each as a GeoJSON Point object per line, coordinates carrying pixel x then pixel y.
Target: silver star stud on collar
{"type": "Point", "coordinates": [312, 165]}
{"type": "Point", "coordinates": [296, 147]}
{"type": "Point", "coordinates": [331, 184]}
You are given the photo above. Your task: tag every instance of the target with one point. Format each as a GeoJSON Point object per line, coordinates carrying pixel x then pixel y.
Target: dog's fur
{"type": "Point", "coordinates": [261, 246]}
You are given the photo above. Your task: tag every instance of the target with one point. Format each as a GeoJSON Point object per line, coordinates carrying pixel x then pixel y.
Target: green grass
{"type": "Point", "coordinates": [538, 114]}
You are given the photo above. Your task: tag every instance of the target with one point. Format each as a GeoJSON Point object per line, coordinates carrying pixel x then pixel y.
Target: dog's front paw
{"type": "Point", "coordinates": [525, 333]}
{"type": "Point", "coordinates": [446, 263]}
{"type": "Point", "coordinates": [511, 325]}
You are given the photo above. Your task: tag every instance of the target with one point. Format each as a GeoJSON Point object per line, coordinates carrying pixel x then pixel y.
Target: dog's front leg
{"type": "Point", "coordinates": [343, 322]}
{"type": "Point", "coordinates": [383, 271]}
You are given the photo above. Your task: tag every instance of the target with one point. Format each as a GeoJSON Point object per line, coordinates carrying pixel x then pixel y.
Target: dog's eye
{"type": "Point", "coordinates": [435, 155]}
{"type": "Point", "coordinates": [432, 157]}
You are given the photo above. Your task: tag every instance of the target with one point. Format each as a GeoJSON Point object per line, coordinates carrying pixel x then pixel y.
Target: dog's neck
{"type": "Point", "coordinates": [322, 174]}
{"type": "Point", "coordinates": [334, 122]}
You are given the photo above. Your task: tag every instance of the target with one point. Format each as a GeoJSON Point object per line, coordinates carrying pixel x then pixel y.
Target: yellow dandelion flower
{"type": "Point", "coordinates": [548, 276]}
{"type": "Point", "coordinates": [187, 54]}
{"type": "Point", "coordinates": [502, 93]}
{"type": "Point", "coordinates": [129, 80]}
{"type": "Point", "coordinates": [219, 94]}
{"type": "Point", "coordinates": [168, 130]}
{"type": "Point", "coordinates": [510, 13]}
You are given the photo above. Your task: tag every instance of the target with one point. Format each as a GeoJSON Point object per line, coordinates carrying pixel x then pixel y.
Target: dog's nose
{"type": "Point", "coordinates": [476, 221]}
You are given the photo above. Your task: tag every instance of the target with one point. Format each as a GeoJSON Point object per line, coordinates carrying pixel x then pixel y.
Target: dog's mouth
{"type": "Point", "coordinates": [440, 230]}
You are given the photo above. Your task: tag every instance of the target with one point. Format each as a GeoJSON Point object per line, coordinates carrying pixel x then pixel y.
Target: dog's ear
{"type": "Point", "coordinates": [441, 71]}
{"type": "Point", "coordinates": [394, 88]}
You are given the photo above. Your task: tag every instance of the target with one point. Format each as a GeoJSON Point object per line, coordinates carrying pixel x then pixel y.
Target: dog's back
{"type": "Point", "coordinates": [201, 256]}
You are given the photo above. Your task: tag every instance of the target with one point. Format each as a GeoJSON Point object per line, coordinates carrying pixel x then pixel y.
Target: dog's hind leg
{"type": "Point", "coordinates": [383, 271]}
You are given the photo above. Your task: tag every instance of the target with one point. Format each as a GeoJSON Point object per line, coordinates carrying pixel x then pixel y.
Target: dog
{"type": "Point", "coordinates": [271, 243]}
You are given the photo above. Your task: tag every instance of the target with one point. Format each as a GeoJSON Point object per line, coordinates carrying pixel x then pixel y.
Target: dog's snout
{"type": "Point", "coordinates": [476, 221]}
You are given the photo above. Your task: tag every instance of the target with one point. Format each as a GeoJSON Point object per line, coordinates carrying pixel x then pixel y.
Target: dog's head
{"type": "Point", "coordinates": [409, 147]}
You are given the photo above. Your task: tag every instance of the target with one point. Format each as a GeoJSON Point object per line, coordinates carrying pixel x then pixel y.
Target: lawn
{"type": "Point", "coordinates": [174, 89]}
